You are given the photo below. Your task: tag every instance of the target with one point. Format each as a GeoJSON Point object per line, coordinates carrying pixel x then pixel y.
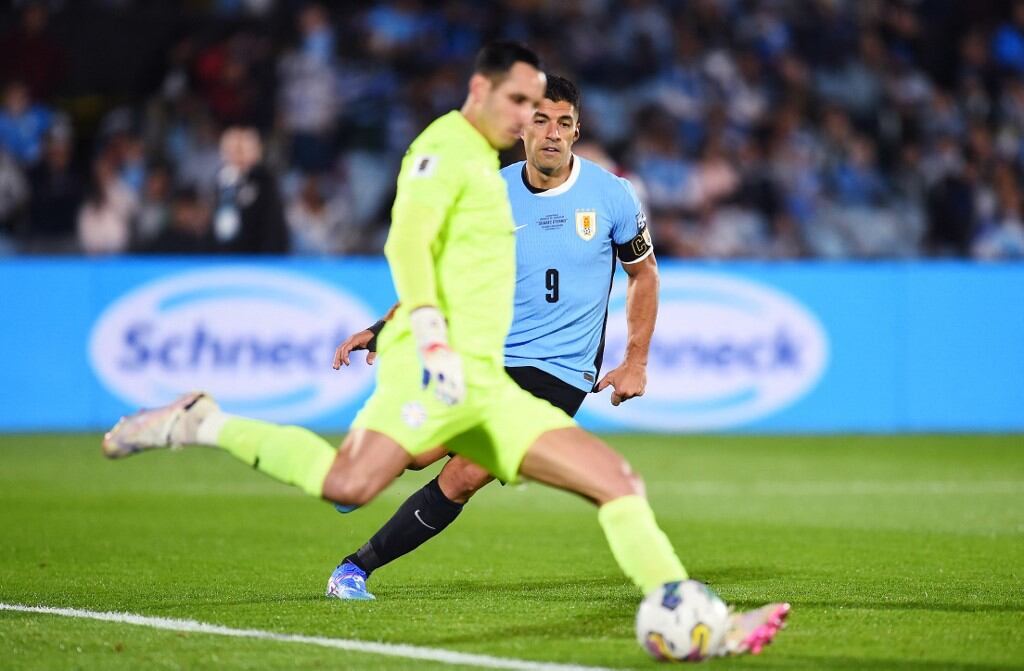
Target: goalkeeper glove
{"type": "Point", "coordinates": [441, 365]}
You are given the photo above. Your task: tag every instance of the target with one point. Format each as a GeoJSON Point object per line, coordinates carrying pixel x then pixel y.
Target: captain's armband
{"type": "Point", "coordinates": [640, 247]}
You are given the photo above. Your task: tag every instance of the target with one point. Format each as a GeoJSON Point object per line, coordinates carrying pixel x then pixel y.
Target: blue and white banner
{"type": "Point", "coordinates": [256, 337]}
{"type": "Point", "coordinates": [739, 347]}
{"type": "Point", "coordinates": [727, 351]}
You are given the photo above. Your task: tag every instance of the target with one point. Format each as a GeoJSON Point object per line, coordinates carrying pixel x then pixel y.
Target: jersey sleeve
{"type": "Point", "coordinates": [428, 186]}
{"type": "Point", "coordinates": [630, 234]}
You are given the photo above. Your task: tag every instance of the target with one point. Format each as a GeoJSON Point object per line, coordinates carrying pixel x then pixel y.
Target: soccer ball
{"type": "Point", "coordinates": [681, 622]}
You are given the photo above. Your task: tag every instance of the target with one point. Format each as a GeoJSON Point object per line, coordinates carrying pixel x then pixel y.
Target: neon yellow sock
{"type": "Point", "coordinates": [640, 547]}
{"type": "Point", "coordinates": [291, 454]}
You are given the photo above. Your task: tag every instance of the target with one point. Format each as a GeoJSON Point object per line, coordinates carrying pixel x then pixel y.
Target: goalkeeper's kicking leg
{"type": "Point", "coordinates": [574, 460]}
{"type": "Point", "coordinates": [352, 475]}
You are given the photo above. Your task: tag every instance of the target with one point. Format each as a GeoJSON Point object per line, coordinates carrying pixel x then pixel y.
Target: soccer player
{"type": "Point", "coordinates": [451, 251]}
{"type": "Point", "coordinates": [573, 218]}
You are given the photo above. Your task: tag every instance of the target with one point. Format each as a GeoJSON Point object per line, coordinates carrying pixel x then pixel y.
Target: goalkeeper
{"type": "Point", "coordinates": [451, 250]}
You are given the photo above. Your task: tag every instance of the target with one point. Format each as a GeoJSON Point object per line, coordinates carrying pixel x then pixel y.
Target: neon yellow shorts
{"type": "Point", "coordinates": [494, 426]}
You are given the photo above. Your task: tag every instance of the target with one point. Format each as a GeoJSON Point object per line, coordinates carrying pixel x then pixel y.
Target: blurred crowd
{"type": "Point", "coordinates": [762, 129]}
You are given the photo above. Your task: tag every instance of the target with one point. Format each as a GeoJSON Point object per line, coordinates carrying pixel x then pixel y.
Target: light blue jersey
{"type": "Point", "coordinates": [567, 240]}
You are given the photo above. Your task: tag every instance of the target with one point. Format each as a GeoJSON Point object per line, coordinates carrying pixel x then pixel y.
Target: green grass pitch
{"type": "Point", "coordinates": [896, 553]}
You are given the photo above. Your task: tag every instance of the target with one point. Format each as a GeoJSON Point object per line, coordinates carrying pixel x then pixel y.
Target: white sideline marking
{"type": "Point", "coordinates": [841, 488]}
{"type": "Point", "coordinates": [389, 649]}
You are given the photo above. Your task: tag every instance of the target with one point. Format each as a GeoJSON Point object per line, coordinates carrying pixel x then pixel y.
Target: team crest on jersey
{"type": "Point", "coordinates": [586, 224]}
{"type": "Point", "coordinates": [414, 414]}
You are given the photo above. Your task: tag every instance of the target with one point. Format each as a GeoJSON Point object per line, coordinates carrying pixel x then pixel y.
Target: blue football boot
{"type": "Point", "coordinates": [348, 582]}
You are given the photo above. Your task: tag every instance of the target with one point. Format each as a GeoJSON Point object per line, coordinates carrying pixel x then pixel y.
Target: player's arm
{"type": "Point", "coordinates": [636, 253]}
{"type": "Point", "coordinates": [629, 379]}
{"type": "Point", "coordinates": [641, 308]}
{"type": "Point", "coordinates": [416, 222]}
{"type": "Point", "coordinates": [365, 339]}
{"type": "Point", "coordinates": [428, 187]}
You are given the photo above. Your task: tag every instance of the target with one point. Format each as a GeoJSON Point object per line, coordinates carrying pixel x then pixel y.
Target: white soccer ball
{"type": "Point", "coordinates": [681, 622]}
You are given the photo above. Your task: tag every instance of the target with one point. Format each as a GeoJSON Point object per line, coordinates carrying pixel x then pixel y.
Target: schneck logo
{"type": "Point", "coordinates": [726, 352]}
{"type": "Point", "coordinates": [260, 340]}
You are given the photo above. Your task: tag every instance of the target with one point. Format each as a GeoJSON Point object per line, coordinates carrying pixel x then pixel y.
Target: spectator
{"type": "Point", "coordinates": [855, 179]}
{"type": "Point", "coordinates": [951, 211]}
{"type": "Point", "coordinates": [227, 82]}
{"type": "Point", "coordinates": [308, 99]}
{"type": "Point", "coordinates": [716, 178]}
{"type": "Point", "coordinates": [319, 224]}
{"type": "Point", "coordinates": [1011, 103]}
{"type": "Point", "coordinates": [14, 195]}
{"type": "Point", "coordinates": [745, 89]}
{"type": "Point", "coordinates": [395, 29]}
{"type": "Point", "coordinates": [56, 195]}
{"type": "Point", "coordinates": [23, 124]}
{"type": "Point", "coordinates": [188, 227]}
{"type": "Point", "coordinates": [32, 53]}
{"type": "Point", "coordinates": [1001, 236]}
{"type": "Point", "coordinates": [193, 146]}
{"type": "Point", "coordinates": [155, 206]}
{"type": "Point", "coordinates": [976, 79]}
{"type": "Point", "coordinates": [131, 161]}
{"type": "Point", "coordinates": [249, 218]}
{"type": "Point", "coordinates": [660, 163]}
{"type": "Point", "coordinates": [104, 220]}
{"type": "Point", "coordinates": [683, 88]}
{"type": "Point", "coordinates": [1008, 41]}
{"type": "Point", "coordinates": [728, 228]}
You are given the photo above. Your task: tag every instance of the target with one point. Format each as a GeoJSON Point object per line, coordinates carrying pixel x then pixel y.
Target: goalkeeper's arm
{"type": "Point", "coordinates": [421, 206]}
{"type": "Point", "coordinates": [413, 230]}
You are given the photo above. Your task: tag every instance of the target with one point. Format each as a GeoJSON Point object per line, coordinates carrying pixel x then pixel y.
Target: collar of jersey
{"type": "Point", "coordinates": [574, 174]}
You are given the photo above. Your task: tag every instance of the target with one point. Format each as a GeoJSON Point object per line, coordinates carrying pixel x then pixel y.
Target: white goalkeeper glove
{"type": "Point", "coordinates": [441, 366]}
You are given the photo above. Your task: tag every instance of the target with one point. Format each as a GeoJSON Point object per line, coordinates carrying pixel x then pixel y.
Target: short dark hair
{"type": "Point", "coordinates": [495, 59]}
{"type": "Point", "coordinates": [561, 89]}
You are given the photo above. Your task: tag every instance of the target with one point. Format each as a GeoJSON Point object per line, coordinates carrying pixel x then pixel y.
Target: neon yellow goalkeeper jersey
{"type": "Point", "coordinates": [452, 240]}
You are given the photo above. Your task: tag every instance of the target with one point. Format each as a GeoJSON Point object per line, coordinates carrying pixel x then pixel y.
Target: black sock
{"type": "Point", "coordinates": [424, 515]}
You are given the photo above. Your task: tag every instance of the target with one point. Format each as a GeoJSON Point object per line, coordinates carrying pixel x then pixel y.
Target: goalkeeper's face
{"type": "Point", "coordinates": [507, 104]}
{"type": "Point", "coordinates": [549, 136]}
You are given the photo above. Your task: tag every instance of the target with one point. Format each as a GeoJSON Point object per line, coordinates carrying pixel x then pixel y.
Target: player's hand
{"type": "Point", "coordinates": [627, 381]}
{"type": "Point", "coordinates": [442, 367]}
{"type": "Point", "coordinates": [355, 341]}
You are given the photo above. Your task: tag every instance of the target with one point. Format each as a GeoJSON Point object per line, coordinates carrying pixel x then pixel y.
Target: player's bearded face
{"type": "Point", "coordinates": [549, 136]}
{"type": "Point", "coordinates": [508, 106]}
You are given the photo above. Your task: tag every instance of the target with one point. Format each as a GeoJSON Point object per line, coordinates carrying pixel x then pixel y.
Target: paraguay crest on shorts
{"type": "Point", "coordinates": [586, 224]}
